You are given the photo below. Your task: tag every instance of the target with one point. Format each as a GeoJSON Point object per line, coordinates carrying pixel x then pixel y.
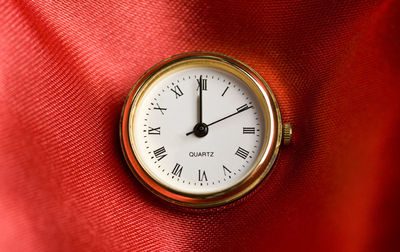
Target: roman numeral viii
{"type": "Point", "coordinates": [160, 153]}
{"type": "Point", "coordinates": [178, 92]}
{"type": "Point", "coordinates": [177, 171]}
{"type": "Point", "coordinates": [242, 153]}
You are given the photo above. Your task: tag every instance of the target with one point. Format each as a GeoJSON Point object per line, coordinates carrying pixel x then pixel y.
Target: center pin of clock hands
{"type": "Point", "coordinates": [219, 120]}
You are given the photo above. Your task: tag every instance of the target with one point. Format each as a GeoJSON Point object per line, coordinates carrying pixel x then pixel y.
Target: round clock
{"type": "Point", "coordinates": [201, 129]}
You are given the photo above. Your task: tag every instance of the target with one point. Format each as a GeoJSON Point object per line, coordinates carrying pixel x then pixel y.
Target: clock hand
{"type": "Point", "coordinates": [226, 117]}
{"type": "Point", "coordinates": [200, 129]}
{"type": "Point", "coordinates": [201, 98]}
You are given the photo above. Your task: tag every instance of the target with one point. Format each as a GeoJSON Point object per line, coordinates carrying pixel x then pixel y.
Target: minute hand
{"type": "Point", "coordinates": [226, 117]}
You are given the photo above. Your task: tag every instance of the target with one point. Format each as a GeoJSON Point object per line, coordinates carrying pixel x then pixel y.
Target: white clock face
{"type": "Point", "coordinates": [161, 130]}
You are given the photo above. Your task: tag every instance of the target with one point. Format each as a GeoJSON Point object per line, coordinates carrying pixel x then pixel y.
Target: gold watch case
{"type": "Point", "coordinates": [274, 127]}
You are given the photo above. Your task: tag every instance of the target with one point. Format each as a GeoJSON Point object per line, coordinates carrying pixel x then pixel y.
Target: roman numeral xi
{"type": "Point", "coordinates": [178, 92]}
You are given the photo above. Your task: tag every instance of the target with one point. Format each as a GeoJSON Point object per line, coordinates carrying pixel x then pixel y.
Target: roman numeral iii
{"type": "Point", "coordinates": [249, 130]}
{"type": "Point", "coordinates": [177, 171]}
{"type": "Point", "coordinates": [160, 153]}
{"type": "Point", "coordinates": [242, 153]}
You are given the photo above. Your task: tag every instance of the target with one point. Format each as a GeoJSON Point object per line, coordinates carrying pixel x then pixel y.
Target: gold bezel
{"type": "Point", "coordinates": [264, 162]}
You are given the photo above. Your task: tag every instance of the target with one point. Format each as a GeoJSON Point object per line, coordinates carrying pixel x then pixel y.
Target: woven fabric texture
{"type": "Point", "coordinates": [66, 68]}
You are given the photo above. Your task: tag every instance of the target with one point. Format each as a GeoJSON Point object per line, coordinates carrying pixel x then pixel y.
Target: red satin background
{"type": "Point", "coordinates": [67, 66]}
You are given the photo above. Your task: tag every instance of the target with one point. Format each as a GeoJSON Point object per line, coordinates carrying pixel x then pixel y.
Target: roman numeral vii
{"type": "Point", "coordinates": [177, 171]}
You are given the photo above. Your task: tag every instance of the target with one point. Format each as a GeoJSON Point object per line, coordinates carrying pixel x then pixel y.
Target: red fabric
{"type": "Point", "coordinates": [67, 66]}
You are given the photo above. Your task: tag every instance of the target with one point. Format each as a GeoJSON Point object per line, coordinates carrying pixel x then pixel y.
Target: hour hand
{"type": "Point", "coordinates": [199, 81]}
{"type": "Point", "coordinates": [200, 129]}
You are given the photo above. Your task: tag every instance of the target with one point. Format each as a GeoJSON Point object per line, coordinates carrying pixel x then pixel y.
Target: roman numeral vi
{"type": "Point", "coordinates": [202, 176]}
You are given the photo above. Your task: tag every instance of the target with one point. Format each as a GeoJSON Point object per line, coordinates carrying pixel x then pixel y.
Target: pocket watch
{"type": "Point", "coordinates": [201, 129]}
